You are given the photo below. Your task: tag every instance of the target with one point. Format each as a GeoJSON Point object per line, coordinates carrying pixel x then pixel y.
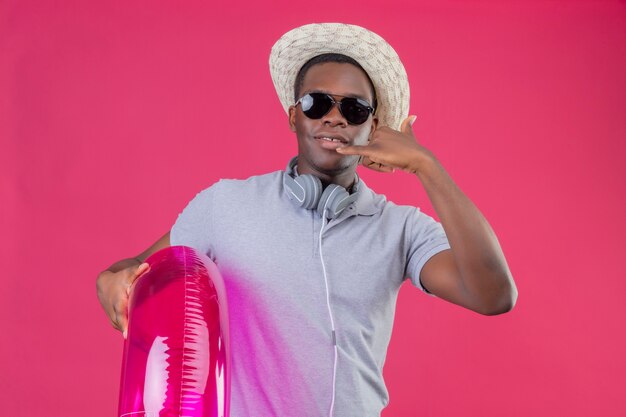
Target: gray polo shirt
{"type": "Point", "coordinates": [267, 250]}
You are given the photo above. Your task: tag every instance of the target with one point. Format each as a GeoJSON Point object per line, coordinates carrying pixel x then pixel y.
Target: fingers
{"type": "Point", "coordinates": [120, 316]}
{"type": "Point", "coordinates": [114, 291]}
{"type": "Point", "coordinates": [121, 307]}
{"type": "Point", "coordinates": [380, 168]}
{"type": "Point", "coordinates": [376, 166]}
{"type": "Point", "coordinates": [387, 148]}
{"type": "Point", "coordinates": [362, 150]}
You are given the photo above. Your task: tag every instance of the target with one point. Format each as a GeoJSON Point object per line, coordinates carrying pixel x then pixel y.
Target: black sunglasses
{"type": "Point", "coordinates": [317, 105]}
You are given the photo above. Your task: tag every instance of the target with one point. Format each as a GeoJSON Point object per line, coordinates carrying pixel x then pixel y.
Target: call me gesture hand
{"type": "Point", "coordinates": [390, 149]}
{"type": "Point", "coordinates": [474, 274]}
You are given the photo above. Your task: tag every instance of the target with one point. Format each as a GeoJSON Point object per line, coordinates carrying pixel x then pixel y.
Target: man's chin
{"type": "Point", "coordinates": [335, 165]}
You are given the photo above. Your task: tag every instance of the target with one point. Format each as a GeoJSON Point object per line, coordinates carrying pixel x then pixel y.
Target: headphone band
{"type": "Point", "coordinates": [306, 191]}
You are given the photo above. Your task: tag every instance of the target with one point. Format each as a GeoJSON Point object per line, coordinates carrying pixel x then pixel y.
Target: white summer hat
{"type": "Point", "coordinates": [381, 63]}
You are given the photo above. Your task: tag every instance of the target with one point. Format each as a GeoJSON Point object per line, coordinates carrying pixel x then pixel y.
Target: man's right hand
{"type": "Point", "coordinates": [114, 283]}
{"type": "Point", "coordinates": [114, 288]}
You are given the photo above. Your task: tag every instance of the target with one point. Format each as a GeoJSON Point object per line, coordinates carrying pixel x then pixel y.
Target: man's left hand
{"type": "Point", "coordinates": [389, 149]}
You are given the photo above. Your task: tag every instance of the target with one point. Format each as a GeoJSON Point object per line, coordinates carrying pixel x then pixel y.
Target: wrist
{"type": "Point", "coordinates": [123, 264]}
{"type": "Point", "coordinates": [424, 164]}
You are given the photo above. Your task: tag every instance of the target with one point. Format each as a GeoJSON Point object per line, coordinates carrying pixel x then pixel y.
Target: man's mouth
{"type": "Point", "coordinates": [332, 139]}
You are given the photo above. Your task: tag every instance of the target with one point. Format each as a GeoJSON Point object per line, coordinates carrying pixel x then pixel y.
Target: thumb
{"type": "Point", "coordinates": [141, 269]}
{"type": "Point", "coordinates": [132, 277]}
{"type": "Point", "coordinates": [407, 125]}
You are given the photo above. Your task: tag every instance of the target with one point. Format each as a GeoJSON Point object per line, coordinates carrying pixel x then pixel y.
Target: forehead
{"type": "Point", "coordinates": [337, 78]}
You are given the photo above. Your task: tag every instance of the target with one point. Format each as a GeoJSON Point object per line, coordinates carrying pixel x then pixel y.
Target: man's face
{"type": "Point", "coordinates": [317, 155]}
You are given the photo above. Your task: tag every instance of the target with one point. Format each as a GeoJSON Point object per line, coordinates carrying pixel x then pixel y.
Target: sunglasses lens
{"type": "Point", "coordinates": [316, 105]}
{"type": "Point", "coordinates": [355, 111]}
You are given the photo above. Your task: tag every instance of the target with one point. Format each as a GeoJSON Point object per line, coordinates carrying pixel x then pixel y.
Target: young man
{"type": "Point", "coordinates": [311, 257]}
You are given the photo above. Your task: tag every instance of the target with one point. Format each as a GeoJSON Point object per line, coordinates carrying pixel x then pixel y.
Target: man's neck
{"type": "Point", "coordinates": [347, 179]}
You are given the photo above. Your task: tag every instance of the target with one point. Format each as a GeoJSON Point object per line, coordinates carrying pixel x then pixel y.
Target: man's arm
{"type": "Point", "coordinates": [113, 284]}
{"type": "Point", "coordinates": [474, 273]}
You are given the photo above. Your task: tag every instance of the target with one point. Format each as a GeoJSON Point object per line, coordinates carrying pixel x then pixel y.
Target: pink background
{"type": "Point", "coordinates": [114, 114]}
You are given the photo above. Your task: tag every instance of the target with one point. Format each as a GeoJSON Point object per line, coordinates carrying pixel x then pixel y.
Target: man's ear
{"type": "Point", "coordinates": [374, 125]}
{"type": "Point", "coordinates": [292, 118]}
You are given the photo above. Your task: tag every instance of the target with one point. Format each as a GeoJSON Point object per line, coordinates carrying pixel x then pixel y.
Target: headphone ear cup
{"type": "Point", "coordinates": [334, 200]}
{"type": "Point", "coordinates": [312, 190]}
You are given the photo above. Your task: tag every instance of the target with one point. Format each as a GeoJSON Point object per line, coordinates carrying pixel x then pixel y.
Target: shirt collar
{"type": "Point", "coordinates": [365, 202]}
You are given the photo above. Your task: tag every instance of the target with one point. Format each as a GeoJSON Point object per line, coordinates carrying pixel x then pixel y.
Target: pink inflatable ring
{"type": "Point", "coordinates": [176, 355]}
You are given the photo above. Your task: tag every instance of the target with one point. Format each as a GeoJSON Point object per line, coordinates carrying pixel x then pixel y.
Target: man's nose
{"type": "Point", "coordinates": [334, 117]}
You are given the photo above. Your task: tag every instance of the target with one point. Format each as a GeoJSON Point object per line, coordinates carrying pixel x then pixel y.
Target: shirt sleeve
{"type": "Point", "coordinates": [193, 227]}
{"type": "Point", "coordinates": [426, 238]}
